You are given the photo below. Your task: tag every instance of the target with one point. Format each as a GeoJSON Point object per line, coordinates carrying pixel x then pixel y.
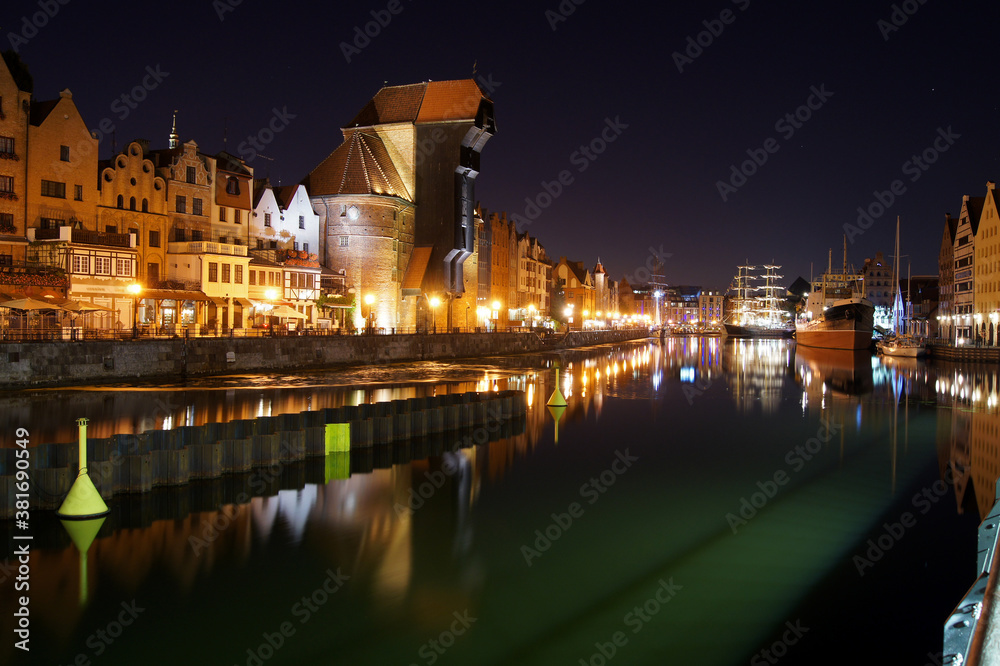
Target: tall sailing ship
{"type": "Point", "coordinates": [837, 315]}
{"type": "Point", "coordinates": [753, 316]}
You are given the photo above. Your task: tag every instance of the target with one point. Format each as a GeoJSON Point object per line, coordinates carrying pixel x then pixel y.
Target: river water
{"type": "Point", "coordinates": [702, 502]}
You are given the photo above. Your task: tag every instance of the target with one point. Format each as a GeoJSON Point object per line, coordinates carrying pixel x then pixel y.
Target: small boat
{"type": "Point", "coordinates": [900, 344]}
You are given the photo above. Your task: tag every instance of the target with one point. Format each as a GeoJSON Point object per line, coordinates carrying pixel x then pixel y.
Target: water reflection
{"type": "Point", "coordinates": [407, 531]}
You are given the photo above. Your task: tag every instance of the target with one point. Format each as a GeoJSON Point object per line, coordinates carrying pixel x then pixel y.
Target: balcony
{"type": "Point", "coordinates": [206, 247]}
{"type": "Point", "coordinates": [68, 234]}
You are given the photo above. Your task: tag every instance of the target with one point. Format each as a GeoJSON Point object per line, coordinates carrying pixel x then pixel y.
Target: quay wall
{"type": "Point", "coordinates": [40, 364]}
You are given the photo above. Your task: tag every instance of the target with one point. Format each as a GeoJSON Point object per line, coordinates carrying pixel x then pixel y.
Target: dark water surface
{"type": "Point", "coordinates": [706, 501]}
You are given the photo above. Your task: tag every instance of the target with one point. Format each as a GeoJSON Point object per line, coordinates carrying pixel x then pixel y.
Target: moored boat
{"type": "Point", "coordinates": [837, 314]}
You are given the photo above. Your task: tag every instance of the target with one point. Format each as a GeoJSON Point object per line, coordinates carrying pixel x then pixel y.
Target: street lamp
{"type": "Point", "coordinates": [135, 289]}
{"type": "Point", "coordinates": [496, 315]}
{"type": "Point", "coordinates": [434, 301]}
{"type": "Point", "coordinates": [369, 301]}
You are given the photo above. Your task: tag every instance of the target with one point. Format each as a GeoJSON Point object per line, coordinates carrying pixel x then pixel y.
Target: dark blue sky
{"type": "Point", "coordinates": [678, 132]}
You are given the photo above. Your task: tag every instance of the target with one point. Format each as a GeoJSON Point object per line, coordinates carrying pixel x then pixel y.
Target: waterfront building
{"type": "Point", "coordinates": [282, 219]}
{"type": "Point", "coordinates": [626, 298]}
{"type": "Point", "coordinates": [15, 100]}
{"type": "Point", "coordinates": [946, 280]}
{"type": "Point", "coordinates": [986, 298]}
{"type": "Point", "coordinates": [396, 199]}
{"type": "Point", "coordinates": [99, 267]}
{"type": "Point", "coordinates": [534, 277]}
{"type": "Point", "coordinates": [484, 254]}
{"type": "Point", "coordinates": [219, 272]}
{"type": "Point", "coordinates": [232, 200]}
{"type": "Point", "coordinates": [132, 199]}
{"type": "Point", "coordinates": [578, 295]}
{"type": "Point", "coordinates": [710, 309]}
{"type": "Point", "coordinates": [964, 280]}
{"type": "Point", "coordinates": [879, 288]}
{"type": "Point", "coordinates": [920, 296]}
{"type": "Point", "coordinates": [601, 293]}
{"type": "Point", "coordinates": [189, 175]}
{"type": "Point", "coordinates": [502, 279]}
{"type": "Point", "coordinates": [62, 167]}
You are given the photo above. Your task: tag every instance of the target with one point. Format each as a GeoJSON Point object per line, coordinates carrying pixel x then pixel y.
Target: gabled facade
{"type": "Point", "coordinates": [190, 178]}
{"type": "Point", "coordinates": [14, 110]}
{"type": "Point", "coordinates": [946, 279]}
{"type": "Point", "coordinates": [965, 248]}
{"type": "Point", "coordinates": [283, 218]}
{"type": "Point", "coordinates": [232, 203]}
{"type": "Point", "coordinates": [986, 305]}
{"type": "Point", "coordinates": [577, 286]}
{"type": "Point", "coordinates": [62, 167]}
{"type": "Point", "coordinates": [133, 199]}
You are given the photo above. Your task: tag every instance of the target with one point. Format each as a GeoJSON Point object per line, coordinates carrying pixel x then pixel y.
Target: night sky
{"type": "Point", "coordinates": [888, 93]}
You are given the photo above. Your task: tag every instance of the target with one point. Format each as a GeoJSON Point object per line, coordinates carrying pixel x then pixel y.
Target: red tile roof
{"type": "Point", "coordinates": [361, 165]}
{"type": "Point", "coordinates": [428, 102]}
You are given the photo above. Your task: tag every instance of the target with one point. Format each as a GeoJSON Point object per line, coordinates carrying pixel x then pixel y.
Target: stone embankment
{"type": "Point", "coordinates": [39, 364]}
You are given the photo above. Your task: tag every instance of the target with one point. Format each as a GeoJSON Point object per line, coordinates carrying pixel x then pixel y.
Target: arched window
{"type": "Point", "coordinates": [131, 203]}
{"type": "Point", "coordinates": [145, 205]}
{"type": "Point", "coordinates": [121, 201]}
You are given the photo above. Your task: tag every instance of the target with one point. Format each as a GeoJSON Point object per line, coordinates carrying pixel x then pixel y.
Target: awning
{"type": "Point", "coordinates": [283, 311]}
{"type": "Point", "coordinates": [172, 295]}
{"type": "Point", "coordinates": [413, 279]}
{"type": "Point", "coordinates": [244, 302]}
{"type": "Point", "coordinates": [221, 302]}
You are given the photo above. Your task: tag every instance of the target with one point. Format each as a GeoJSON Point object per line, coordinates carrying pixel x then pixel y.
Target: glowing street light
{"type": "Point", "coordinates": [434, 301]}
{"type": "Point", "coordinates": [496, 315]}
{"type": "Point", "coordinates": [135, 289]}
{"type": "Point", "coordinates": [369, 301]}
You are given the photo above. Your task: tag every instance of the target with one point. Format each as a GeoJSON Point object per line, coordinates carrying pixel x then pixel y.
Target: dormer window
{"type": "Point", "coordinates": [232, 186]}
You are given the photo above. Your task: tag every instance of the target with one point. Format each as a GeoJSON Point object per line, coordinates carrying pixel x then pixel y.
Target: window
{"type": "Point", "coordinates": [179, 235]}
{"type": "Point", "coordinates": [273, 245]}
{"type": "Point", "coordinates": [102, 265]}
{"type": "Point", "coordinates": [78, 192]}
{"type": "Point", "coordinates": [81, 264]}
{"type": "Point", "coordinates": [239, 275]}
{"type": "Point", "coordinates": [192, 175]}
{"type": "Point", "coordinates": [302, 221]}
{"type": "Point", "coordinates": [345, 241]}
{"type": "Point", "coordinates": [7, 223]}
{"type": "Point", "coordinates": [260, 243]}
{"type": "Point", "coordinates": [7, 145]}
{"type": "Point", "coordinates": [222, 239]}
{"type": "Point", "coordinates": [293, 280]}
{"type": "Point", "coordinates": [51, 188]}
{"type": "Point", "coordinates": [295, 245]}
{"type": "Point", "coordinates": [131, 203]}
{"type": "Point", "coordinates": [253, 276]}
{"type": "Point", "coordinates": [232, 186]}
{"type": "Point", "coordinates": [6, 183]}
{"type": "Point", "coordinates": [121, 201]}
{"type": "Point", "coordinates": [64, 153]}
{"type": "Point", "coordinates": [237, 218]}
{"type": "Point", "coordinates": [226, 268]}
{"type": "Point", "coordinates": [305, 247]}
{"type": "Point", "coordinates": [196, 206]}
{"type": "Point", "coordinates": [6, 260]}
{"type": "Point", "coordinates": [123, 267]}
{"type": "Point", "coordinates": [145, 205]}
{"type": "Point", "coordinates": [51, 223]}
{"type": "Point", "coordinates": [152, 273]}
{"type": "Point", "coordinates": [222, 213]}
{"type": "Point", "coordinates": [267, 219]}
{"type": "Point", "coordinates": [110, 228]}
{"type": "Point", "coordinates": [196, 234]}
{"type": "Point", "coordinates": [213, 271]}
{"type": "Point", "coordinates": [181, 205]}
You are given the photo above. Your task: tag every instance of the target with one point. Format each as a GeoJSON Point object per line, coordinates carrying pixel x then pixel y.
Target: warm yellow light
{"type": "Point", "coordinates": [369, 299]}
{"type": "Point", "coordinates": [435, 301]}
{"type": "Point", "coordinates": [135, 288]}
{"type": "Point", "coordinates": [586, 313]}
{"type": "Point", "coordinates": [496, 305]}
{"type": "Point", "coordinates": [271, 294]}
{"type": "Point", "coordinates": [531, 307]}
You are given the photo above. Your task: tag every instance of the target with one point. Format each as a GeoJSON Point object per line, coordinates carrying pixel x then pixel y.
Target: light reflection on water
{"type": "Point", "coordinates": [410, 533]}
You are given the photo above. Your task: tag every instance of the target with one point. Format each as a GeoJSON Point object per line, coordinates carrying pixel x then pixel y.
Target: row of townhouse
{"type": "Point", "coordinates": [157, 237]}
{"type": "Point", "coordinates": [969, 272]}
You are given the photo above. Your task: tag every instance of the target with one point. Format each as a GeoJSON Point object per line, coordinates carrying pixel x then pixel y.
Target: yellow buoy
{"type": "Point", "coordinates": [556, 399]}
{"type": "Point", "coordinates": [83, 500]}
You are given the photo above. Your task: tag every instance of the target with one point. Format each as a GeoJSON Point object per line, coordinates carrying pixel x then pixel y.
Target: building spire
{"type": "Point", "coordinates": [173, 132]}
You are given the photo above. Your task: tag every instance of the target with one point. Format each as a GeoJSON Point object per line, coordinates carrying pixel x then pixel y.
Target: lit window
{"type": "Point", "coordinates": [226, 269]}
{"type": "Point", "coordinates": [102, 265]}
{"type": "Point", "coordinates": [81, 264]}
{"type": "Point", "coordinates": [123, 267]}
{"type": "Point", "coordinates": [239, 275]}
